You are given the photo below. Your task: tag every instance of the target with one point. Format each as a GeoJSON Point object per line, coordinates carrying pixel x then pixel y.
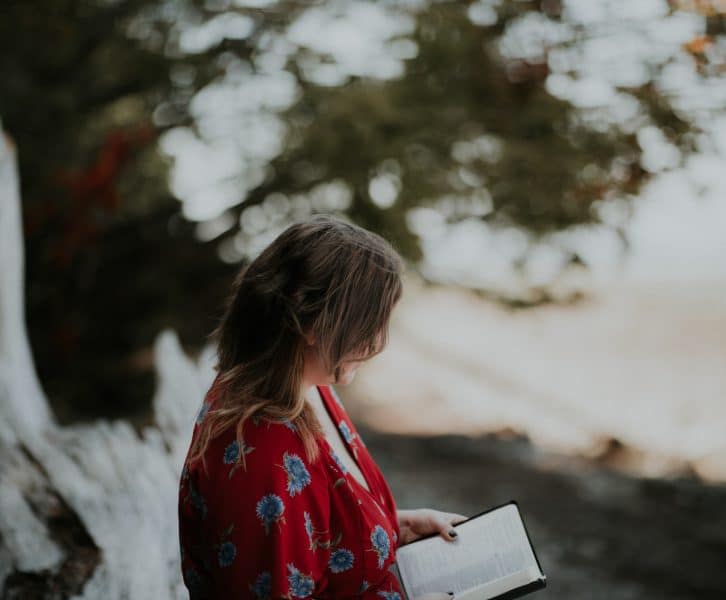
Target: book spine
{"type": "Point", "coordinates": [521, 591]}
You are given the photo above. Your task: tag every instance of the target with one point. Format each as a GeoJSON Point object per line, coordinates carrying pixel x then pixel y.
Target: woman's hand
{"type": "Point", "coordinates": [416, 523]}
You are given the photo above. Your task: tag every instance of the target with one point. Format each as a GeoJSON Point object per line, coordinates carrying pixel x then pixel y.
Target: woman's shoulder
{"type": "Point", "coordinates": [257, 430]}
{"type": "Point", "coordinates": [264, 442]}
{"type": "Point", "coordinates": [266, 445]}
{"type": "Point", "coordinates": [261, 433]}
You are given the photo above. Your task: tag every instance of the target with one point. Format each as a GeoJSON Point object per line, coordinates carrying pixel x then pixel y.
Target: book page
{"type": "Point", "coordinates": [490, 547]}
{"type": "Point", "coordinates": [501, 585]}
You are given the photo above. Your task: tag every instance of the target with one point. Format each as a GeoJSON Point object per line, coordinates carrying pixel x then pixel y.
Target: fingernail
{"type": "Point", "coordinates": [453, 533]}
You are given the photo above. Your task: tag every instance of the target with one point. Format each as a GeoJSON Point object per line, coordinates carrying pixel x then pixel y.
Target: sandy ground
{"type": "Point", "coordinates": [598, 534]}
{"type": "Point", "coordinates": [632, 372]}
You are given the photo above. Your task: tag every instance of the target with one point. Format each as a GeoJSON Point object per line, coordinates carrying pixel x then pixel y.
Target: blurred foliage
{"type": "Point", "coordinates": [110, 261]}
{"type": "Point", "coordinates": [458, 88]}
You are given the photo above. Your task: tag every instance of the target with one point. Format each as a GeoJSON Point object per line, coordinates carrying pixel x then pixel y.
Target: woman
{"type": "Point", "coordinates": [279, 497]}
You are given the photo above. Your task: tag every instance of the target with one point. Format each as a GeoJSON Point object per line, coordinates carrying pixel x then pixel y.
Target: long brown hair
{"type": "Point", "coordinates": [324, 277]}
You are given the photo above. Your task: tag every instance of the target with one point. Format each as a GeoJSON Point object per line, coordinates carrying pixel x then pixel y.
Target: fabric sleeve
{"type": "Point", "coordinates": [273, 519]}
{"type": "Point", "coordinates": [191, 512]}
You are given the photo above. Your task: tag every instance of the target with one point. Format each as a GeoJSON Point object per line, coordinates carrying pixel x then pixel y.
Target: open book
{"type": "Point", "coordinates": [492, 557]}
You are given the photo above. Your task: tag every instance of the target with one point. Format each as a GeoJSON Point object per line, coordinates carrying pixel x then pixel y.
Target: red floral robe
{"type": "Point", "coordinates": [285, 528]}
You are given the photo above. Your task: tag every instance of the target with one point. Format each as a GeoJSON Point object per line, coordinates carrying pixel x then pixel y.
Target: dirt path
{"type": "Point", "coordinates": [599, 535]}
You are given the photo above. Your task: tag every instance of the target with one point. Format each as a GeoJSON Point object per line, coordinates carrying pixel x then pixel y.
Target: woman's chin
{"type": "Point", "coordinates": [346, 378]}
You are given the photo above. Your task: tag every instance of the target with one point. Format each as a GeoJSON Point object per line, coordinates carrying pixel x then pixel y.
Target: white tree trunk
{"type": "Point", "coordinates": [119, 489]}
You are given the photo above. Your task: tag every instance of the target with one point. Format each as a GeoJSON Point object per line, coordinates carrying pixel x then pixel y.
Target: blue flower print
{"type": "Point", "coordinates": [301, 585]}
{"type": "Point", "coordinates": [341, 560]}
{"type": "Point", "coordinates": [197, 500]}
{"type": "Point", "coordinates": [339, 462]}
{"type": "Point", "coordinates": [269, 510]}
{"type": "Point", "coordinates": [389, 595]}
{"type": "Point", "coordinates": [231, 453]}
{"type": "Point", "coordinates": [315, 537]}
{"type": "Point", "coordinates": [345, 430]}
{"type": "Point", "coordinates": [226, 554]}
{"type": "Point", "coordinates": [364, 585]}
{"type": "Point", "coordinates": [297, 474]}
{"type": "Point", "coordinates": [381, 544]}
{"type": "Point", "coordinates": [290, 425]}
{"type": "Point", "coordinates": [262, 587]}
{"type": "Point", "coordinates": [202, 412]}
{"type": "Point", "coordinates": [308, 524]}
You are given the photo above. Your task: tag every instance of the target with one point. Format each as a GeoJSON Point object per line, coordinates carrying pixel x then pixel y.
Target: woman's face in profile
{"type": "Point", "coordinates": [350, 367]}
{"type": "Point", "coordinates": [348, 371]}
{"type": "Point", "coordinates": [315, 372]}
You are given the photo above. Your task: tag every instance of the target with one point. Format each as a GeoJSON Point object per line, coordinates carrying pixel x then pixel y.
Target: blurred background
{"type": "Point", "coordinates": [552, 172]}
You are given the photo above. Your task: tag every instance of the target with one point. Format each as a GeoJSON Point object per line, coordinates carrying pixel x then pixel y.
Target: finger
{"type": "Point", "coordinates": [454, 518]}
{"type": "Point", "coordinates": [447, 531]}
